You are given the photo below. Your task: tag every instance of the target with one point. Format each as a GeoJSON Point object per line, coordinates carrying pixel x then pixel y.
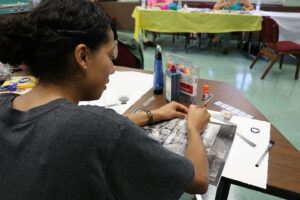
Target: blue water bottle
{"type": "Point", "coordinates": [158, 83]}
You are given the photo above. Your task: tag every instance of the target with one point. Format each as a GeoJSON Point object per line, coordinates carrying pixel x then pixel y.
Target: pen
{"type": "Point", "coordinates": [265, 153]}
{"type": "Point", "coordinates": [206, 100]}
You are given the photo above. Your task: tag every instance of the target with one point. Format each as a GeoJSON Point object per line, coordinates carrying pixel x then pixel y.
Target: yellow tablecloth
{"type": "Point", "coordinates": [170, 21]}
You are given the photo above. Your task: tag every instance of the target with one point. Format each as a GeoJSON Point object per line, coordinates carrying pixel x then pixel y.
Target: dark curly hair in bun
{"type": "Point", "coordinates": [45, 39]}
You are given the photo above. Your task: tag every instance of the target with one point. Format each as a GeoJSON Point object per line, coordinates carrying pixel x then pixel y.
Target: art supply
{"type": "Point", "coordinates": [188, 85]}
{"type": "Point", "coordinates": [189, 77]}
{"type": "Point", "coordinates": [225, 117]}
{"type": "Point", "coordinates": [172, 83]}
{"type": "Point", "coordinates": [146, 103]}
{"type": "Point", "coordinates": [158, 84]}
{"type": "Point", "coordinates": [122, 99]}
{"type": "Point", "coordinates": [252, 144]}
{"type": "Point", "coordinates": [205, 93]}
{"type": "Point", "coordinates": [206, 100]}
{"type": "Point", "coordinates": [265, 153]}
{"type": "Point", "coordinates": [232, 110]}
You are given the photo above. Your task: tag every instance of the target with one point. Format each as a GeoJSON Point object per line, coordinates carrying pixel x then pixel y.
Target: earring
{"type": "Point", "coordinates": [85, 68]}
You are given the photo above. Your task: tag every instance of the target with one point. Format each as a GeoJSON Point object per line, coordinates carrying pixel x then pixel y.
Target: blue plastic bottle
{"type": "Point", "coordinates": [158, 83]}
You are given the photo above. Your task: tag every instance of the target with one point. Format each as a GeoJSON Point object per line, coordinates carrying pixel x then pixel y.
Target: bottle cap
{"type": "Point", "coordinates": [205, 89]}
{"type": "Point", "coordinates": [158, 53]}
{"type": "Point", "coordinates": [173, 68]}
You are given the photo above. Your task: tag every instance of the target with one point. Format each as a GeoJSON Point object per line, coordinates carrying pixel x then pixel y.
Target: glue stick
{"type": "Point", "coordinates": [205, 93]}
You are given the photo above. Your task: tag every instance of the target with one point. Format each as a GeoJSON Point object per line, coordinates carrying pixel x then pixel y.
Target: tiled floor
{"type": "Point", "coordinates": [277, 96]}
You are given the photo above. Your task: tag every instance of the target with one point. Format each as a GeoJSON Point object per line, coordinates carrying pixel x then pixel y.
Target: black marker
{"type": "Point", "coordinates": [265, 153]}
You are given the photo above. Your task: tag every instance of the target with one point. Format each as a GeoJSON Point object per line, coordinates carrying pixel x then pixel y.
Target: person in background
{"type": "Point", "coordinates": [51, 148]}
{"type": "Point", "coordinates": [244, 5]}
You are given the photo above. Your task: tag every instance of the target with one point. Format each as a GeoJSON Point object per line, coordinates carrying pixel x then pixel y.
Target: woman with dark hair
{"type": "Point", "coordinates": [51, 148]}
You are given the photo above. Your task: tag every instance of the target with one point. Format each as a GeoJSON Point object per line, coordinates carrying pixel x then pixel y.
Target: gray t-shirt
{"type": "Point", "coordinates": [63, 151]}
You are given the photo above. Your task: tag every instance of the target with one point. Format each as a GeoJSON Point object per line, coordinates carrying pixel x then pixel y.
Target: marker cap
{"type": "Point", "coordinates": [205, 89]}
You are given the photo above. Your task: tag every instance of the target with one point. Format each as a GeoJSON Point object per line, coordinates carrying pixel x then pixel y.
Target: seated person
{"type": "Point", "coordinates": [229, 5]}
{"type": "Point", "coordinates": [51, 148]}
{"type": "Point", "coordinates": [233, 5]}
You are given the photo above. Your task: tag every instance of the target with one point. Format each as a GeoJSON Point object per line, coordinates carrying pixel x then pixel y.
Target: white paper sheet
{"type": "Point", "coordinates": [242, 158]}
{"type": "Point", "coordinates": [130, 84]}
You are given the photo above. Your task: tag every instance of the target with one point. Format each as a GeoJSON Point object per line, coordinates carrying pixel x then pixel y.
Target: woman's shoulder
{"type": "Point", "coordinates": [99, 123]}
{"type": "Point", "coordinates": [89, 114]}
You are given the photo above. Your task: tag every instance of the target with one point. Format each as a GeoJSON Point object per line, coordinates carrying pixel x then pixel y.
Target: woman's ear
{"type": "Point", "coordinates": [80, 55]}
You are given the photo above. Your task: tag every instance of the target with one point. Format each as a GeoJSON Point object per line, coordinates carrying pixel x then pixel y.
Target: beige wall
{"type": "Point", "coordinates": [121, 11]}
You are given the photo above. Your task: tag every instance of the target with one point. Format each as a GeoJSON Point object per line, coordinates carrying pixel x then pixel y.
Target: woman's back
{"type": "Point", "coordinates": [85, 152]}
{"type": "Point", "coordinates": [53, 154]}
{"type": "Point", "coordinates": [51, 148]}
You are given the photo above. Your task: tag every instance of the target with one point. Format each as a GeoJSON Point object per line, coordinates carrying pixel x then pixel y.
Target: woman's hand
{"type": "Point", "coordinates": [166, 112]}
{"type": "Point", "coordinates": [197, 119]}
{"type": "Point", "coordinates": [169, 111]}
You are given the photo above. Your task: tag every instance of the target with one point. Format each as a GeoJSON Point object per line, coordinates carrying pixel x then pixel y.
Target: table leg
{"type": "Point", "coordinates": [222, 190]}
{"type": "Point", "coordinates": [249, 42]}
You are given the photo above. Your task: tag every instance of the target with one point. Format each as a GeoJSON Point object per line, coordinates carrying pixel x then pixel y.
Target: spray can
{"type": "Point", "coordinates": [158, 83]}
{"type": "Point", "coordinates": [205, 93]}
{"type": "Point", "coordinates": [172, 83]}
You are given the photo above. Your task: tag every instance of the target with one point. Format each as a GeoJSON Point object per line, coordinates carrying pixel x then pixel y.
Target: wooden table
{"type": "Point", "coordinates": [284, 158]}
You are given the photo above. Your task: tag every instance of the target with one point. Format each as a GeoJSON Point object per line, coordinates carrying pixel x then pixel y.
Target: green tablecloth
{"type": "Point", "coordinates": [188, 22]}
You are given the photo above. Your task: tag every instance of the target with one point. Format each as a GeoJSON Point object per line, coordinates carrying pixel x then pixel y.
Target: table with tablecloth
{"type": "Point", "coordinates": [288, 23]}
{"type": "Point", "coordinates": [197, 20]}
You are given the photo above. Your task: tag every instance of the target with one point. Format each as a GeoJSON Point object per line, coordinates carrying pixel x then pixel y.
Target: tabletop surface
{"type": "Point", "coordinates": [284, 158]}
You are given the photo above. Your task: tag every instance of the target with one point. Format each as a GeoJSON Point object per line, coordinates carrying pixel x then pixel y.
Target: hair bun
{"type": "Point", "coordinates": [17, 39]}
